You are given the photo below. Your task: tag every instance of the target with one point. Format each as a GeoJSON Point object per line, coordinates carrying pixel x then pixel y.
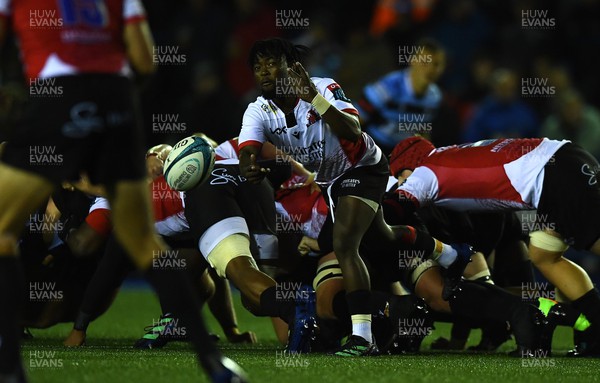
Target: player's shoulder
{"type": "Point", "coordinates": [260, 107]}
{"type": "Point", "coordinates": [326, 84]}
{"type": "Point", "coordinates": [322, 83]}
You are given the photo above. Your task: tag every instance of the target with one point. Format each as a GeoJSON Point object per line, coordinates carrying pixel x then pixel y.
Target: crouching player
{"type": "Point", "coordinates": [557, 178]}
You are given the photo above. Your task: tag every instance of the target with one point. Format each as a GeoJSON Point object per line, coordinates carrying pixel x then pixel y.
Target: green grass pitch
{"type": "Point", "coordinates": [109, 356]}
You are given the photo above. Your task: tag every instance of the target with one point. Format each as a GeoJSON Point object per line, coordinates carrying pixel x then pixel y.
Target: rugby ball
{"type": "Point", "coordinates": [189, 164]}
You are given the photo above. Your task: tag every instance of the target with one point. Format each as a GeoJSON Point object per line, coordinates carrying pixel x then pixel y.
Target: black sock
{"type": "Point", "coordinates": [11, 288]}
{"type": "Point", "coordinates": [589, 305]}
{"type": "Point", "coordinates": [82, 321]}
{"type": "Point", "coordinates": [174, 286]}
{"type": "Point", "coordinates": [339, 305]}
{"type": "Point", "coordinates": [409, 235]}
{"type": "Point", "coordinates": [402, 306]}
{"type": "Point", "coordinates": [273, 307]}
{"type": "Point", "coordinates": [359, 302]}
{"type": "Point", "coordinates": [424, 241]}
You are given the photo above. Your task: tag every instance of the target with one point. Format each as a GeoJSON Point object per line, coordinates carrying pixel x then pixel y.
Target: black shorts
{"type": "Point", "coordinates": [570, 200]}
{"type": "Point", "coordinates": [367, 182]}
{"type": "Point", "coordinates": [227, 194]}
{"type": "Point", "coordinates": [79, 123]}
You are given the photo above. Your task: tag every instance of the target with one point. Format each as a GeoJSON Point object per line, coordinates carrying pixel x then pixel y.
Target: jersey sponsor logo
{"type": "Point", "coordinates": [296, 134]}
{"type": "Point", "coordinates": [306, 155]}
{"type": "Point", "coordinates": [83, 121]}
{"type": "Point", "coordinates": [350, 183]}
{"type": "Point", "coordinates": [591, 172]}
{"type": "Point", "coordinates": [91, 13]}
{"type": "Point", "coordinates": [279, 131]}
{"type": "Point", "coordinates": [222, 177]}
{"type": "Point", "coordinates": [312, 117]}
{"type": "Point", "coordinates": [337, 91]}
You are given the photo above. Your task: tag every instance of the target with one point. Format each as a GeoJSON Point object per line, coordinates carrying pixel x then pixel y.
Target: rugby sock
{"type": "Point", "coordinates": [11, 288]}
{"type": "Point", "coordinates": [174, 286]}
{"type": "Point", "coordinates": [589, 305]}
{"type": "Point", "coordinates": [361, 326]}
{"type": "Point", "coordinates": [393, 306]}
{"type": "Point", "coordinates": [82, 321]}
{"type": "Point", "coordinates": [273, 307]}
{"type": "Point", "coordinates": [359, 306]}
{"type": "Point", "coordinates": [339, 305]}
{"type": "Point", "coordinates": [444, 254]}
{"type": "Point", "coordinates": [569, 316]}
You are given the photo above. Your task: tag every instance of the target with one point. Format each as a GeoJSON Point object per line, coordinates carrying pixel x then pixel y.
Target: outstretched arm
{"type": "Point", "coordinates": [343, 125]}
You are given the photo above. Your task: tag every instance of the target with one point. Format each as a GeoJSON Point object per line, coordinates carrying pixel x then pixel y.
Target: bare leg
{"type": "Point", "coordinates": [20, 194]}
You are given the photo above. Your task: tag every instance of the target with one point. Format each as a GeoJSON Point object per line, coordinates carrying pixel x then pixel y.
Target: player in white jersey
{"type": "Point", "coordinates": [557, 178]}
{"type": "Point", "coordinates": [312, 120]}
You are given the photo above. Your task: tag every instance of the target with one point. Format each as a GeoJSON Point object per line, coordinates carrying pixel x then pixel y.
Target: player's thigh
{"type": "Point", "coordinates": [477, 267]}
{"type": "Point", "coordinates": [429, 286]}
{"type": "Point", "coordinates": [352, 219]}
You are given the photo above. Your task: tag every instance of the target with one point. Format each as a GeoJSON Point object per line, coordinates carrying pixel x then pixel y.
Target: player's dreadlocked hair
{"type": "Point", "coordinates": [276, 47]}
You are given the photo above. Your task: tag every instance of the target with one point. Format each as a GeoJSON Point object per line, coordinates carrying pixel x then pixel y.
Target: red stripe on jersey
{"type": "Point", "coordinates": [254, 143]}
{"type": "Point", "coordinates": [135, 19]}
{"type": "Point", "coordinates": [99, 221]}
{"type": "Point", "coordinates": [234, 142]}
{"type": "Point", "coordinates": [351, 111]}
{"type": "Point", "coordinates": [166, 202]}
{"type": "Point", "coordinates": [353, 150]}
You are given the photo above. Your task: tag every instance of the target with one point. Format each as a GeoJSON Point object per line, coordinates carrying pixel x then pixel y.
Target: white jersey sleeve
{"type": "Point", "coordinates": [226, 150]}
{"type": "Point", "coordinates": [333, 93]}
{"type": "Point", "coordinates": [252, 132]}
{"type": "Point", "coordinates": [99, 203]}
{"type": "Point", "coordinates": [133, 10]}
{"type": "Point", "coordinates": [421, 187]}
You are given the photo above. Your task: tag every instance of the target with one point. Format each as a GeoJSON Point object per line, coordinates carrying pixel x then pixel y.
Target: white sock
{"type": "Point", "coordinates": [448, 256]}
{"type": "Point", "coordinates": [361, 326]}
